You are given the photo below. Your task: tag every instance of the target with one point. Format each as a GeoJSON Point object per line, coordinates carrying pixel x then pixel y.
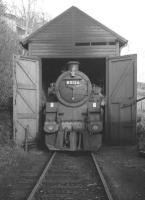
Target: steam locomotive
{"type": "Point", "coordinates": [74, 112]}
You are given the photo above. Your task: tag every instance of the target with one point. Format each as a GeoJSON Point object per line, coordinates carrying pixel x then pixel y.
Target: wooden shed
{"type": "Point", "coordinates": [74, 35]}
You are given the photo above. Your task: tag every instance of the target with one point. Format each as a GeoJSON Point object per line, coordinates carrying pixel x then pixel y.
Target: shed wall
{"type": "Point", "coordinates": [65, 50]}
{"type": "Point", "coordinates": [74, 34]}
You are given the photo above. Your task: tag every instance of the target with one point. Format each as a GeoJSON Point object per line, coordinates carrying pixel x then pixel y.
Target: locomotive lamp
{"type": "Point", "coordinates": [51, 105]}
{"type": "Point", "coordinates": [94, 105]}
{"type": "Point", "coordinates": [95, 127]}
{"type": "Point", "coordinates": [50, 127]}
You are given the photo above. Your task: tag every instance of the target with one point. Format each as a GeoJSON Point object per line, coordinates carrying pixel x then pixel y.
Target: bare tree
{"type": "Point", "coordinates": [8, 39]}
{"type": "Point", "coordinates": [30, 17]}
{"type": "Point", "coordinates": [2, 8]}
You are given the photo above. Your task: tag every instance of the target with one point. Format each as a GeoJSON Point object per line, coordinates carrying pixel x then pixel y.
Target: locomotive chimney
{"type": "Point", "coordinates": [73, 66]}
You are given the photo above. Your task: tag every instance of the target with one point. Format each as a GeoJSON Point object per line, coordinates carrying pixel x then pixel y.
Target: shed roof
{"type": "Point", "coordinates": [72, 11]}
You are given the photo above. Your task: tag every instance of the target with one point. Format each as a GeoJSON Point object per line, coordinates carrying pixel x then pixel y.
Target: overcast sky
{"type": "Point", "coordinates": [126, 17]}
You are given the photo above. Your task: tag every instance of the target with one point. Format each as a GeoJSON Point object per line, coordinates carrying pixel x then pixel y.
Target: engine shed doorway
{"type": "Point", "coordinates": [94, 68]}
{"type": "Point", "coordinates": [116, 75]}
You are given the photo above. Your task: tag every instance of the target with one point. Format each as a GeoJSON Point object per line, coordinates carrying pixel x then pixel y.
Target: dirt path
{"type": "Point", "coordinates": [125, 171]}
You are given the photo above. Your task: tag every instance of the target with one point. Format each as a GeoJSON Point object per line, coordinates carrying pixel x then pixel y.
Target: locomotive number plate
{"type": "Point", "coordinates": [72, 82]}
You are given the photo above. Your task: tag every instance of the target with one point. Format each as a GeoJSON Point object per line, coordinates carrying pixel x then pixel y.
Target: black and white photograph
{"type": "Point", "coordinates": [72, 100]}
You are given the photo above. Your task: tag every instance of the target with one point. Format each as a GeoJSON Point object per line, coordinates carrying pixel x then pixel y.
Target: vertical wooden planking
{"type": "Point", "coordinates": [37, 63]}
{"type": "Point", "coordinates": [117, 49]}
{"type": "Point", "coordinates": [26, 98]}
{"type": "Point", "coordinates": [107, 113]}
{"type": "Point", "coordinates": [122, 99]}
{"type": "Point", "coordinates": [41, 95]}
{"type": "Point", "coordinates": [14, 97]}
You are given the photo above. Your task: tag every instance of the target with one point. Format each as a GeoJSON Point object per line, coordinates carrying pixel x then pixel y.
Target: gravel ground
{"type": "Point", "coordinates": [122, 167]}
{"type": "Point", "coordinates": [124, 170]}
{"type": "Point", "coordinates": [19, 171]}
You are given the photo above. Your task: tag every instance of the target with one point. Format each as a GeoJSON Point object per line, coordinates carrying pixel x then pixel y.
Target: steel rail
{"type": "Point", "coordinates": [31, 195]}
{"type": "Point", "coordinates": [105, 185]}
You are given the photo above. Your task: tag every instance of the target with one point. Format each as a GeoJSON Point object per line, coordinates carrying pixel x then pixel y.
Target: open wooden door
{"type": "Point", "coordinates": [25, 98]}
{"type": "Point", "coordinates": [121, 87]}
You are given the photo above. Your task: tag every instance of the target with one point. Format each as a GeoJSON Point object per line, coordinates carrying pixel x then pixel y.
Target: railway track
{"type": "Point", "coordinates": [71, 176]}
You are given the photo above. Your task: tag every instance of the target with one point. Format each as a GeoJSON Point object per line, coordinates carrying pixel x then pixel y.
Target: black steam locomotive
{"type": "Point", "coordinates": [73, 113]}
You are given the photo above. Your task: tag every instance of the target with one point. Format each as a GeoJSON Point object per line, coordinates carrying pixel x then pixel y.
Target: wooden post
{"type": "Point", "coordinates": [26, 138]}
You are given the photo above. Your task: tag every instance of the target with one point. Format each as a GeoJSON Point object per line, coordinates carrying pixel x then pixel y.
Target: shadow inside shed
{"type": "Point", "coordinates": [95, 69]}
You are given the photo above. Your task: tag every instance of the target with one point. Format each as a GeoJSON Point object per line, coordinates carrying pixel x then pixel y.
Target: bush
{"type": "Point", "coordinates": [6, 127]}
{"type": "Point", "coordinates": [9, 45]}
{"type": "Point", "coordinates": [141, 132]}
